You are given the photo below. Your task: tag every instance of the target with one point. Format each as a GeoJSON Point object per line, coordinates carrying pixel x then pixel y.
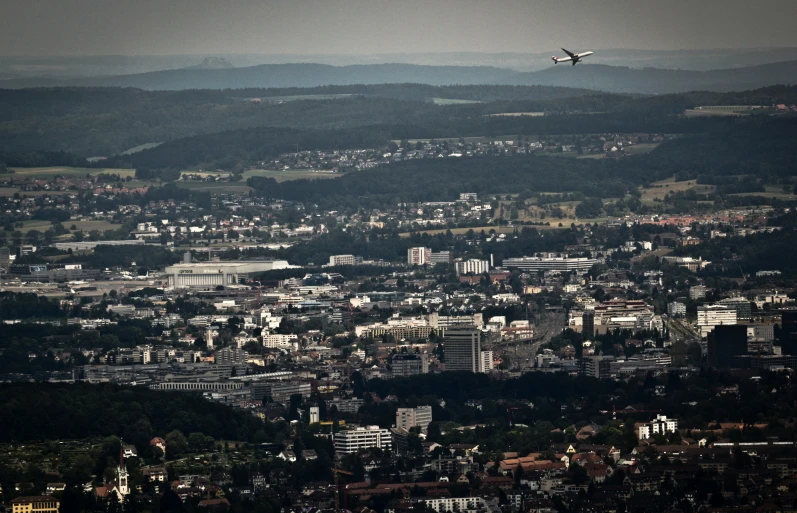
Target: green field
{"type": "Point", "coordinates": [87, 226]}
{"type": "Point", "coordinates": [305, 97]}
{"type": "Point", "coordinates": [52, 172]}
{"type": "Point", "coordinates": [518, 114]}
{"type": "Point", "coordinates": [291, 174]}
{"type": "Point", "coordinates": [452, 101]}
{"type": "Point", "coordinates": [216, 187]}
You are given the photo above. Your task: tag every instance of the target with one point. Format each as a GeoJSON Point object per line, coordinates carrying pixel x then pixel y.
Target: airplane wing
{"type": "Point", "coordinates": [571, 54]}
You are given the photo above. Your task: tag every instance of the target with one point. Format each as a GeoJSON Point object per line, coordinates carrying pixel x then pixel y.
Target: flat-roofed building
{"type": "Point", "coordinates": [551, 264]}
{"type": "Point", "coordinates": [462, 349]}
{"type": "Point", "coordinates": [209, 275]}
{"type": "Point", "coordinates": [357, 439]}
{"type": "Point", "coordinates": [35, 504]}
{"type": "Point", "coordinates": [420, 417]}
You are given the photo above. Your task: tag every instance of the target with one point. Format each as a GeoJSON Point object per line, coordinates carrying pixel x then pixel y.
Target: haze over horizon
{"type": "Point", "coordinates": [360, 27]}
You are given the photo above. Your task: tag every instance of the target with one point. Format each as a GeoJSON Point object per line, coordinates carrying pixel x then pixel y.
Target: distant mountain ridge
{"type": "Point", "coordinates": [588, 76]}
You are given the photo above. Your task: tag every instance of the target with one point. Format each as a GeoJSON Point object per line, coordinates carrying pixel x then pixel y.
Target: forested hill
{"type": "Point", "coordinates": [47, 411]}
{"type": "Point", "coordinates": [764, 148]}
{"type": "Point", "coordinates": [590, 76]}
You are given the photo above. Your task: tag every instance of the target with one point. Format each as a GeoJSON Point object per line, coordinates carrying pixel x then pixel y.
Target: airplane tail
{"type": "Point", "coordinates": [555, 60]}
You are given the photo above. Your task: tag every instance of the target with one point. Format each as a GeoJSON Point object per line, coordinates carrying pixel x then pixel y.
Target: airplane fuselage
{"type": "Point", "coordinates": [571, 57]}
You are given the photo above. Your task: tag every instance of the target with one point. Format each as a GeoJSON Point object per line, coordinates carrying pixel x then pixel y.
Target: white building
{"type": "Point", "coordinates": [472, 266]}
{"type": "Point", "coordinates": [419, 256]}
{"type": "Point", "coordinates": [714, 315]}
{"type": "Point", "coordinates": [459, 504]}
{"type": "Point", "coordinates": [281, 341]}
{"type": "Point", "coordinates": [315, 415]}
{"type": "Point", "coordinates": [357, 439]}
{"type": "Point", "coordinates": [551, 264]}
{"type": "Point", "coordinates": [659, 426]}
{"type": "Point", "coordinates": [420, 417]}
{"type": "Point", "coordinates": [486, 361]}
{"type": "Point", "coordinates": [344, 260]}
{"type": "Point", "coordinates": [209, 275]}
{"type": "Point", "coordinates": [675, 309]}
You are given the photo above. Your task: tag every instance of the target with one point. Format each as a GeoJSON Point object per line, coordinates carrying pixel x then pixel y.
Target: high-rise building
{"type": "Point", "coordinates": [744, 309]}
{"type": "Point", "coordinates": [5, 257]}
{"type": "Point", "coordinates": [410, 364]}
{"type": "Point", "coordinates": [462, 349]}
{"type": "Point", "coordinates": [788, 331]}
{"type": "Point", "coordinates": [485, 361]}
{"type": "Point", "coordinates": [420, 417]}
{"type": "Point", "coordinates": [472, 266]}
{"type": "Point", "coordinates": [588, 324]}
{"type": "Point", "coordinates": [710, 316]}
{"type": "Point", "coordinates": [315, 415]}
{"type": "Point", "coordinates": [419, 256]}
{"type": "Point", "coordinates": [725, 342]}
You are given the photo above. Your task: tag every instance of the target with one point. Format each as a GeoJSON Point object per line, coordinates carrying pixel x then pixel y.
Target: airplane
{"type": "Point", "coordinates": [575, 57]}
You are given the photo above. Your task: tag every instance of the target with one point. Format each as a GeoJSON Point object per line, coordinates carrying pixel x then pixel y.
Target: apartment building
{"type": "Point", "coordinates": [419, 417]}
{"type": "Point", "coordinates": [472, 266]}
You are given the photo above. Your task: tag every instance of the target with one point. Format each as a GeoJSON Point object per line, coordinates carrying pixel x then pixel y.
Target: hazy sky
{"type": "Point", "coordinates": [136, 27]}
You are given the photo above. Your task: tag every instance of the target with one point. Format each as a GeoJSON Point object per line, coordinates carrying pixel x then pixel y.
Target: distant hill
{"type": "Point", "coordinates": [588, 76]}
{"type": "Point", "coordinates": [212, 63]}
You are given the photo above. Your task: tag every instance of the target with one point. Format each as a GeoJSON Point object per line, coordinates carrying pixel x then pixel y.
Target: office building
{"type": "Point", "coordinates": [344, 260]}
{"type": "Point", "coordinates": [357, 439]}
{"type": "Point", "coordinates": [710, 316]}
{"type": "Point", "coordinates": [442, 257]}
{"type": "Point", "coordinates": [410, 364]}
{"type": "Point", "coordinates": [419, 256]}
{"type": "Point", "coordinates": [588, 324]}
{"type": "Point", "coordinates": [725, 342]}
{"type": "Point", "coordinates": [462, 349]}
{"type": "Point", "coordinates": [788, 331]}
{"type": "Point", "coordinates": [551, 264]}
{"type": "Point", "coordinates": [744, 309]}
{"type": "Point", "coordinates": [5, 257]}
{"type": "Point", "coordinates": [420, 417]}
{"type": "Point", "coordinates": [596, 366]}
{"type": "Point", "coordinates": [472, 266]}
{"type": "Point", "coordinates": [315, 414]}
{"type": "Point", "coordinates": [661, 425]}
{"type": "Point", "coordinates": [676, 309]}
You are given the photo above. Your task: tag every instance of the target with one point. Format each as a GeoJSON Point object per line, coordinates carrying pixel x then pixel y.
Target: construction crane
{"type": "Point", "coordinates": [335, 472]}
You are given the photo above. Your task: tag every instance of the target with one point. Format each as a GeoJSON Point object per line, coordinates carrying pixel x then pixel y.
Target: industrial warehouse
{"type": "Point", "coordinates": [209, 275]}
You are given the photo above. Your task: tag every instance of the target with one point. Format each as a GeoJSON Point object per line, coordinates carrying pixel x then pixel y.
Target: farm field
{"type": "Point", "coordinates": [50, 172]}
{"type": "Point", "coordinates": [452, 101]}
{"type": "Point", "coordinates": [88, 226]}
{"type": "Point", "coordinates": [291, 174]}
{"type": "Point", "coordinates": [216, 187]}
{"type": "Point", "coordinates": [658, 190]}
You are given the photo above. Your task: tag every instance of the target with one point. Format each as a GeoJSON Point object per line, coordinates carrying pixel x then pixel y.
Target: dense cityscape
{"type": "Point", "coordinates": [459, 282]}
